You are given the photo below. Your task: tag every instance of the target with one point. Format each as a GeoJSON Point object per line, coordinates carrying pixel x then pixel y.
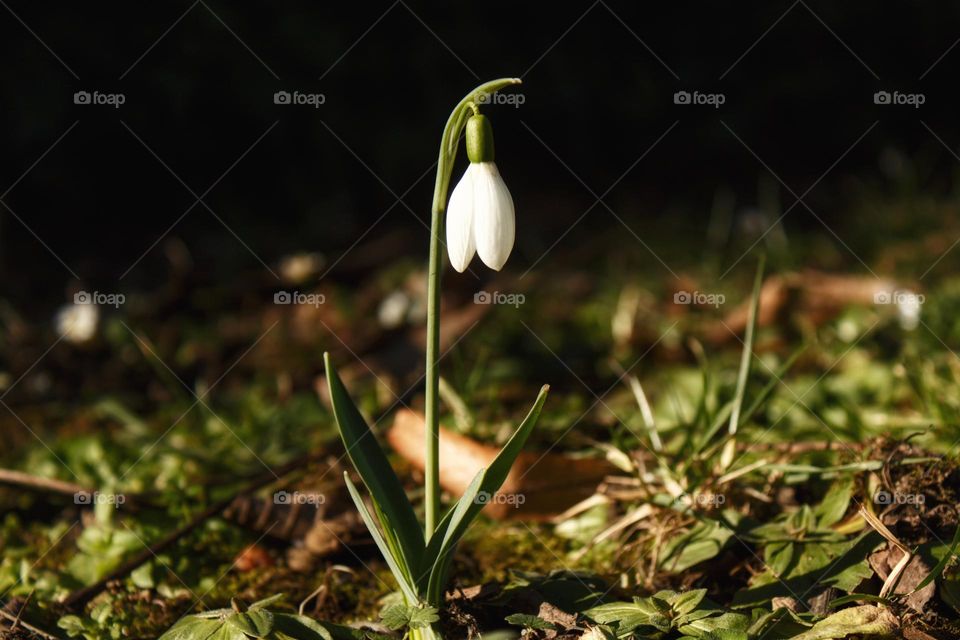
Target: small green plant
{"type": "Point", "coordinates": [480, 221]}
{"type": "Point", "coordinates": [257, 621]}
{"type": "Point", "coordinates": [688, 613]}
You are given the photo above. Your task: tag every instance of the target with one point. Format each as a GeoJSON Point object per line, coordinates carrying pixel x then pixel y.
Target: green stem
{"type": "Point", "coordinates": [427, 633]}
{"type": "Point", "coordinates": [448, 152]}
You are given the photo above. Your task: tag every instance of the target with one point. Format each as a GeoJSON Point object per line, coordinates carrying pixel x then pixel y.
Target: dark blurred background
{"type": "Point", "coordinates": [98, 196]}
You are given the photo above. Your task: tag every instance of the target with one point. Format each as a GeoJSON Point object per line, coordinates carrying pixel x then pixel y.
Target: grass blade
{"type": "Point", "coordinates": [724, 413]}
{"type": "Point", "coordinates": [937, 570]}
{"type": "Point", "coordinates": [746, 359]}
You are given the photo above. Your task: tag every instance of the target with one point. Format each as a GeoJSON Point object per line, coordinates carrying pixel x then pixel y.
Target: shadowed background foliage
{"type": "Point", "coordinates": [102, 206]}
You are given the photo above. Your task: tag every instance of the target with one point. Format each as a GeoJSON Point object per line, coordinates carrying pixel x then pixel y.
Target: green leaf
{"type": "Point", "coordinates": [455, 523]}
{"type": "Point", "coordinates": [400, 615]}
{"type": "Point", "coordinates": [73, 625]}
{"type": "Point", "coordinates": [627, 616]}
{"type": "Point", "coordinates": [375, 470]}
{"type": "Point", "coordinates": [727, 626]}
{"type": "Point", "coordinates": [687, 601]}
{"type": "Point", "coordinates": [938, 569]}
{"type": "Point", "coordinates": [263, 604]}
{"type": "Point", "coordinates": [703, 542]}
{"type": "Point", "coordinates": [746, 356]}
{"type": "Point", "coordinates": [226, 632]}
{"type": "Point", "coordinates": [255, 623]}
{"type": "Point", "coordinates": [724, 413]}
{"type": "Point", "coordinates": [395, 616]}
{"type": "Point", "coordinates": [950, 593]}
{"type": "Point", "coordinates": [399, 572]}
{"type": "Point", "coordinates": [288, 626]}
{"type": "Point", "coordinates": [778, 556]}
{"type": "Point", "coordinates": [193, 628]}
{"type": "Point", "coordinates": [422, 617]}
{"type": "Point", "coordinates": [834, 505]}
{"type": "Point", "coordinates": [865, 620]}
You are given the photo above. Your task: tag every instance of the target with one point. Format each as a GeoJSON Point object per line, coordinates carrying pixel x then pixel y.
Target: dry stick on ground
{"type": "Point", "coordinates": [80, 597]}
{"type": "Point", "coordinates": [16, 620]}
{"type": "Point", "coordinates": [50, 485]}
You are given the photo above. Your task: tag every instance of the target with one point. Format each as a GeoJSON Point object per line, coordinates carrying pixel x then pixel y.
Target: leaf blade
{"type": "Point", "coordinates": [399, 572]}
{"type": "Point", "coordinates": [455, 523]}
{"type": "Point", "coordinates": [375, 470]}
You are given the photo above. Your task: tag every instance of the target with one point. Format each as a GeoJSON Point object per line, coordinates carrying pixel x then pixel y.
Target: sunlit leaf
{"type": "Point", "coordinates": [703, 542]}
{"type": "Point", "coordinates": [400, 572]}
{"type": "Point", "coordinates": [257, 623]}
{"type": "Point", "coordinates": [454, 524]}
{"type": "Point", "coordinates": [375, 470]}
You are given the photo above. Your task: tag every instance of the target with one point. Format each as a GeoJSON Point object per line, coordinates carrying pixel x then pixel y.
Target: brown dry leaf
{"type": "Point", "coordinates": [912, 633]}
{"type": "Point", "coordinates": [814, 295]}
{"type": "Point", "coordinates": [252, 557]}
{"type": "Point", "coordinates": [785, 602]}
{"type": "Point", "coordinates": [557, 616]}
{"type": "Point", "coordinates": [883, 562]}
{"type": "Point", "coordinates": [537, 488]}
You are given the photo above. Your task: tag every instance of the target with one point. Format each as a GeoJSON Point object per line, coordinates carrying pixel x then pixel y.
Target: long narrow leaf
{"type": "Point", "coordinates": [399, 572]}
{"type": "Point", "coordinates": [723, 414]}
{"type": "Point", "coordinates": [937, 570]}
{"type": "Point", "coordinates": [488, 481]}
{"type": "Point", "coordinates": [746, 357]}
{"type": "Point", "coordinates": [375, 470]}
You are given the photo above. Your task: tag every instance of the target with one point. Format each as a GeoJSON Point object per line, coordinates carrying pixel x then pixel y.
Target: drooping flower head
{"type": "Point", "coordinates": [480, 214]}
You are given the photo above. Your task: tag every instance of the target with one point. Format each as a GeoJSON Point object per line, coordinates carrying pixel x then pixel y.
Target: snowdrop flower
{"type": "Point", "coordinates": [480, 215]}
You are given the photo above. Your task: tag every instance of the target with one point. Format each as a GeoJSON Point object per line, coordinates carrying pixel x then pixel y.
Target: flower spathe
{"type": "Point", "coordinates": [480, 218]}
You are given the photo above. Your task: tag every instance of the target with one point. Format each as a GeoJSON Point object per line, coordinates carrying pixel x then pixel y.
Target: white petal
{"type": "Point", "coordinates": [460, 209]}
{"type": "Point", "coordinates": [493, 216]}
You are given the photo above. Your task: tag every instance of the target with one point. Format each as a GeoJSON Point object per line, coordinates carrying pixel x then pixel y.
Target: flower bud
{"type": "Point", "coordinates": [479, 139]}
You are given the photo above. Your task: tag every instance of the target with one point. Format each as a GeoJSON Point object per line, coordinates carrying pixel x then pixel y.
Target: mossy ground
{"type": "Point", "coordinates": [866, 391]}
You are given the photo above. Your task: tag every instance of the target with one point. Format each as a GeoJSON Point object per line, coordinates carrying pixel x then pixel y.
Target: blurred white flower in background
{"type": "Point", "coordinates": [393, 310]}
{"type": "Point", "coordinates": [77, 323]}
{"type": "Point", "coordinates": [297, 267]}
{"type": "Point", "coordinates": [908, 309]}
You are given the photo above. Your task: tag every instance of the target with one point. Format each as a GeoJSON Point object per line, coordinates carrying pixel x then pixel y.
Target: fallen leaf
{"type": "Point", "coordinates": [537, 488]}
